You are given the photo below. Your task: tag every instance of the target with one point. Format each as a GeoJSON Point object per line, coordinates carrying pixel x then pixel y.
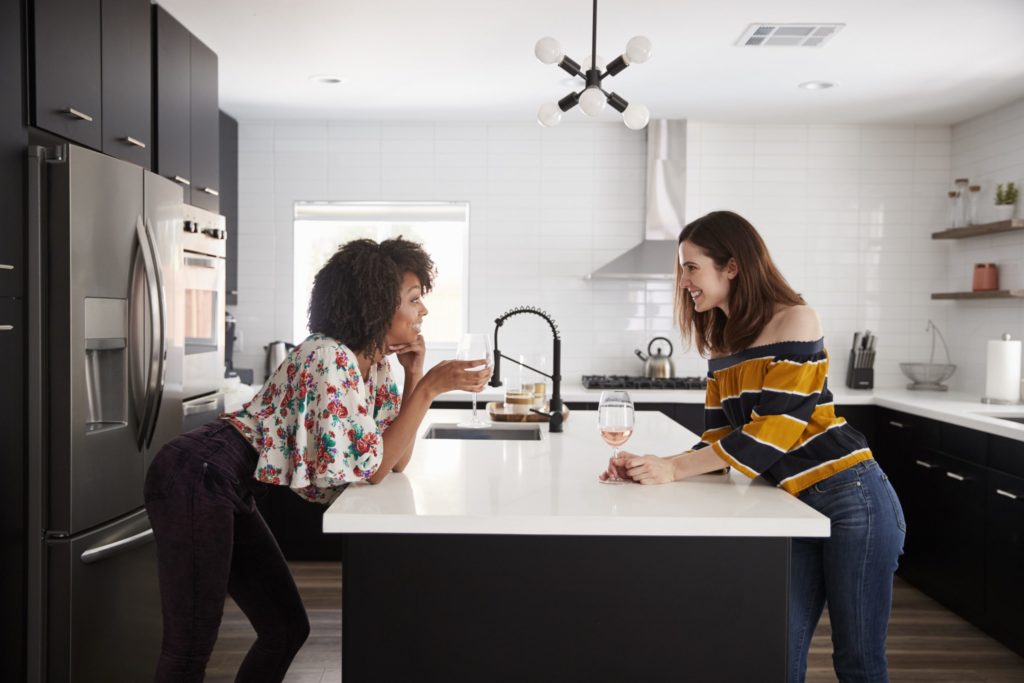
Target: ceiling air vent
{"type": "Point", "coordinates": [788, 35]}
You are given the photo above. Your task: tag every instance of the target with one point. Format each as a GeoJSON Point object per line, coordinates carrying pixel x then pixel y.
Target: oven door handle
{"type": "Point", "coordinates": [202, 261]}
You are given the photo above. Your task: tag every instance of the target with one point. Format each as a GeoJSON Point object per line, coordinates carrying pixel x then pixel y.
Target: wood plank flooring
{"type": "Point", "coordinates": [926, 641]}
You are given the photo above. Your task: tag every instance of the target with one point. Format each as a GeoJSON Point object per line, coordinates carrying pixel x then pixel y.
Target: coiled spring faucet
{"type": "Point", "coordinates": [555, 408]}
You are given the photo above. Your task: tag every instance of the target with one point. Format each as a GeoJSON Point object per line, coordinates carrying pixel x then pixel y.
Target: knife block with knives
{"type": "Point", "coordinates": [860, 373]}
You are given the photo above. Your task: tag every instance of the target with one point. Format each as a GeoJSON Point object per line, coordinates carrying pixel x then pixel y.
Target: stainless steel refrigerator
{"type": "Point", "coordinates": [105, 365]}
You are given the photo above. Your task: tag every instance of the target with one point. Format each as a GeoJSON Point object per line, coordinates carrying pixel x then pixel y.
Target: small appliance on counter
{"type": "Point", "coordinates": [277, 351]}
{"type": "Point", "coordinates": [1002, 371]}
{"type": "Point", "coordinates": [860, 372]}
{"type": "Point", "coordinates": [656, 364]}
{"type": "Point", "coordinates": [931, 375]}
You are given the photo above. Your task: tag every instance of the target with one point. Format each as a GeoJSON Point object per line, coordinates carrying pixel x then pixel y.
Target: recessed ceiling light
{"type": "Point", "coordinates": [816, 85]}
{"type": "Point", "coordinates": [326, 79]}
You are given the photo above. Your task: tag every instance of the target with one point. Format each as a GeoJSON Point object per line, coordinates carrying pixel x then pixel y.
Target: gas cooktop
{"type": "Point", "coordinates": [627, 382]}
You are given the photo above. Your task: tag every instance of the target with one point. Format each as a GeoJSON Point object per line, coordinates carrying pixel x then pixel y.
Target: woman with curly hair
{"type": "Point", "coordinates": [328, 416]}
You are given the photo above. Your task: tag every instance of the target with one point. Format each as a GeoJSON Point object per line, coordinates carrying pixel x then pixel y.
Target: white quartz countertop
{"type": "Point", "coordinates": [550, 487]}
{"type": "Point", "coordinates": [965, 410]}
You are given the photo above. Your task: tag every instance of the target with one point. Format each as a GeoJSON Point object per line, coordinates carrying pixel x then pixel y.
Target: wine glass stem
{"type": "Point", "coordinates": [615, 451]}
{"type": "Point", "coordinates": [474, 408]}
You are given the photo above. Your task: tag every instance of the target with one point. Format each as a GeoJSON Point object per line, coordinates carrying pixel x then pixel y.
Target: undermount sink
{"type": "Point", "coordinates": [1019, 419]}
{"type": "Point", "coordinates": [489, 433]}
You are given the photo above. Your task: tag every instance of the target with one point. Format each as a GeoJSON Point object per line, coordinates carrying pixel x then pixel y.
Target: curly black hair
{"type": "Point", "coordinates": [356, 294]}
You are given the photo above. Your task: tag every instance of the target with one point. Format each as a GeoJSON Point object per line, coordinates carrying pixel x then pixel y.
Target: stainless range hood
{"type": "Point", "coordinates": [654, 258]}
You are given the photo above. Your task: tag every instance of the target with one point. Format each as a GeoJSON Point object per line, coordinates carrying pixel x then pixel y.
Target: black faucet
{"type": "Point", "coordinates": [555, 414]}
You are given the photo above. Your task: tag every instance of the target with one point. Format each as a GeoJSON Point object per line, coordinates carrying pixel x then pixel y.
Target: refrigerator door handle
{"type": "Point", "coordinates": [117, 547]}
{"type": "Point", "coordinates": [159, 350]}
{"type": "Point", "coordinates": [146, 418]}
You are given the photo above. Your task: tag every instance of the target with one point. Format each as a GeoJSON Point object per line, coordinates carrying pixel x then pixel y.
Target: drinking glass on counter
{"type": "Point", "coordinates": [615, 419]}
{"type": "Point", "coordinates": [472, 347]}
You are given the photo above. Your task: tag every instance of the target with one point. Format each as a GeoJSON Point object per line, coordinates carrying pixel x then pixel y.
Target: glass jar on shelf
{"type": "Point", "coordinates": [973, 197]}
{"type": "Point", "coordinates": [953, 207]}
{"type": "Point", "coordinates": [961, 185]}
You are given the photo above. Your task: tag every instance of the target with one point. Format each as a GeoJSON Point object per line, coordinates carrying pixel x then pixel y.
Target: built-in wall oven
{"type": "Point", "coordinates": [203, 272]}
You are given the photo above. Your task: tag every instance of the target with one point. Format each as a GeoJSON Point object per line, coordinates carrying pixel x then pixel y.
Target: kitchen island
{"type": "Point", "coordinates": [508, 560]}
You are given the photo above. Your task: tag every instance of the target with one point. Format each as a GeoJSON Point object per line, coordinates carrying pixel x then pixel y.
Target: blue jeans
{"type": "Point", "coordinates": [852, 571]}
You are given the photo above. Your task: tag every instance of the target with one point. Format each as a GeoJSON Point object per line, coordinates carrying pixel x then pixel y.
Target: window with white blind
{"type": "Point", "coordinates": [441, 227]}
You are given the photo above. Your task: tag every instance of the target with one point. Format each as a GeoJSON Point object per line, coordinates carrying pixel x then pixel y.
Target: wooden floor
{"type": "Point", "coordinates": [926, 642]}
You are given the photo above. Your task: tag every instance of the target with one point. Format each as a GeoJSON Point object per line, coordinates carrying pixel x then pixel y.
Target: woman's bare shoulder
{"type": "Point", "coordinates": [796, 323]}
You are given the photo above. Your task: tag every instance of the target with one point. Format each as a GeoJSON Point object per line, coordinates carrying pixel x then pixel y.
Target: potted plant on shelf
{"type": "Point", "coordinates": [1006, 201]}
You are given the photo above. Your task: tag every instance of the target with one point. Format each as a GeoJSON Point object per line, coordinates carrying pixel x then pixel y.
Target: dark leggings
{"type": "Point", "coordinates": [211, 542]}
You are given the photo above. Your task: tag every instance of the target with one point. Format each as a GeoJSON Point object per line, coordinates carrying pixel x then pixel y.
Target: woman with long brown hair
{"type": "Point", "coordinates": [769, 414]}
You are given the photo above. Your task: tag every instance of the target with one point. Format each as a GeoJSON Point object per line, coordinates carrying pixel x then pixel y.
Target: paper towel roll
{"type": "Point", "coordinates": [1002, 371]}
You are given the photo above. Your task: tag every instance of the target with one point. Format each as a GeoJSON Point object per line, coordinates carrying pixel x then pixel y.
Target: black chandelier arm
{"type": "Point", "coordinates": [569, 101]}
{"type": "Point", "coordinates": [571, 67]}
{"type": "Point", "coordinates": [616, 66]}
{"type": "Point", "coordinates": [616, 102]}
{"type": "Point", "coordinates": [593, 41]}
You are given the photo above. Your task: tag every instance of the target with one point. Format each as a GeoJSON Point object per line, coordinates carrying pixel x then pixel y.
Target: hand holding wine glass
{"type": "Point", "coordinates": [475, 347]}
{"type": "Point", "coordinates": [615, 419]}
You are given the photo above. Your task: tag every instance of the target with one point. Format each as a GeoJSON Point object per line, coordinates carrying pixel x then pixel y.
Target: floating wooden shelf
{"type": "Point", "coordinates": [978, 230]}
{"type": "Point", "coordinates": [997, 294]}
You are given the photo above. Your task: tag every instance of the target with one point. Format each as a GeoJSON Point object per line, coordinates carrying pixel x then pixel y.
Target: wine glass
{"type": "Point", "coordinates": [472, 347]}
{"type": "Point", "coordinates": [615, 419]}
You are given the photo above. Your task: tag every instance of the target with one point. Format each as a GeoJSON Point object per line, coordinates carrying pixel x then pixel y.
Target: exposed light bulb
{"type": "Point", "coordinates": [549, 115]}
{"type": "Point", "coordinates": [592, 101]}
{"type": "Point", "coordinates": [548, 51]}
{"type": "Point", "coordinates": [636, 116]}
{"type": "Point", "coordinates": [585, 66]}
{"type": "Point", "coordinates": [638, 50]}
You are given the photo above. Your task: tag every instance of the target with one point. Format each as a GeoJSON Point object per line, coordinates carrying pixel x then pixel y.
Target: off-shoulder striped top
{"type": "Point", "coordinates": [769, 413]}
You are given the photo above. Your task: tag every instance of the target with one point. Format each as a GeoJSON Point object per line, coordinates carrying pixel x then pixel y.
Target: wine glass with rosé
{"type": "Point", "coordinates": [615, 419]}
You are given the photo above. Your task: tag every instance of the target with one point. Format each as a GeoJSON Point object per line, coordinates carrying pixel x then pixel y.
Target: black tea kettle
{"type": "Point", "coordinates": [657, 365]}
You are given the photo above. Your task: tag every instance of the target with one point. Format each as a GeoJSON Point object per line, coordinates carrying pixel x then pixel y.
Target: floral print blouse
{"type": "Point", "coordinates": [315, 423]}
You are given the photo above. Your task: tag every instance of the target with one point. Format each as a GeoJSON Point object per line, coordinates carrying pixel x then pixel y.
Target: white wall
{"type": "Point", "coordinates": [546, 208]}
{"type": "Point", "coordinates": [847, 212]}
{"type": "Point", "coordinates": [988, 149]}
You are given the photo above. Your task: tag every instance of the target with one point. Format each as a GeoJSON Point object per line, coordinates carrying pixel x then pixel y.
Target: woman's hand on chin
{"type": "Point", "coordinates": [410, 356]}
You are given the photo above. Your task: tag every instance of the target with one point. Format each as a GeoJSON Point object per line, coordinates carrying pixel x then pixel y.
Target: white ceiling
{"type": "Point", "coordinates": [896, 61]}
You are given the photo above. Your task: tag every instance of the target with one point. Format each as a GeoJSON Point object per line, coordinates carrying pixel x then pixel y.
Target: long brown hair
{"type": "Point", "coordinates": [753, 294]}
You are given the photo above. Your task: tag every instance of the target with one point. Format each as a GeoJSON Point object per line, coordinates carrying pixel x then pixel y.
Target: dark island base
{"type": "Point", "coordinates": [420, 607]}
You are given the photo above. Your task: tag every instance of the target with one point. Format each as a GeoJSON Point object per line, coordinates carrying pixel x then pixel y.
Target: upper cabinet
{"type": "Point", "coordinates": [187, 115]}
{"type": "Point", "coordinates": [92, 74]}
{"type": "Point", "coordinates": [66, 69]}
{"type": "Point", "coordinates": [128, 81]}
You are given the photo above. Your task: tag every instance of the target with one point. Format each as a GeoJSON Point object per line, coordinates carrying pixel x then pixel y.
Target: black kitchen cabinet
{"type": "Point", "coordinates": [13, 142]}
{"type": "Point", "coordinates": [187, 115]}
{"type": "Point", "coordinates": [229, 200]}
{"type": "Point", "coordinates": [205, 128]}
{"type": "Point", "coordinates": [173, 99]}
{"type": "Point", "coordinates": [1005, 559]}
{"type": "Point", "coordinates": [127, 81]}
{"type": "Point", "coordinates": [12, 490]}
{"type": "Point", "coordinates": [861, 418]}
{"type": "Point", "coordinates": [297, 525]}
{"type": "Point", "coordinates": [66, 94]}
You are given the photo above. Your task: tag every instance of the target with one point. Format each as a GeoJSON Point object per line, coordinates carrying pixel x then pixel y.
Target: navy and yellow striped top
{"type": "Point", "coordinates": [769, 413]}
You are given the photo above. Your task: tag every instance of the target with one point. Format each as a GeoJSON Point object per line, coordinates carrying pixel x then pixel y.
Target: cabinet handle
{"type": "Point", "coordinates": [210, 191]}
{"type": "Point", "coordinates": [183, 181]}
{"type": "Point", "coordinates": [128, 139]}
{"type": "Point", "coordinates": [894, 423]}
{"type": "Point", "coordinates": [1006, 494]}
{"type": "Point", "coordinates": [926, 465]}
{"type": "Point", "coordinates": [6, 328]}
{"type": "Point", "coordinates": [75, 114]}
{"type": "Point", "coordinates": [6, 266]}
{"type": "Point", "coordinates": [954, 475]}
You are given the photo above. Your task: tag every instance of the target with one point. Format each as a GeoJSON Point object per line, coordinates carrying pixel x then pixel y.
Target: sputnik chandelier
{"type": "Point", "coordinates": [593, 97]}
